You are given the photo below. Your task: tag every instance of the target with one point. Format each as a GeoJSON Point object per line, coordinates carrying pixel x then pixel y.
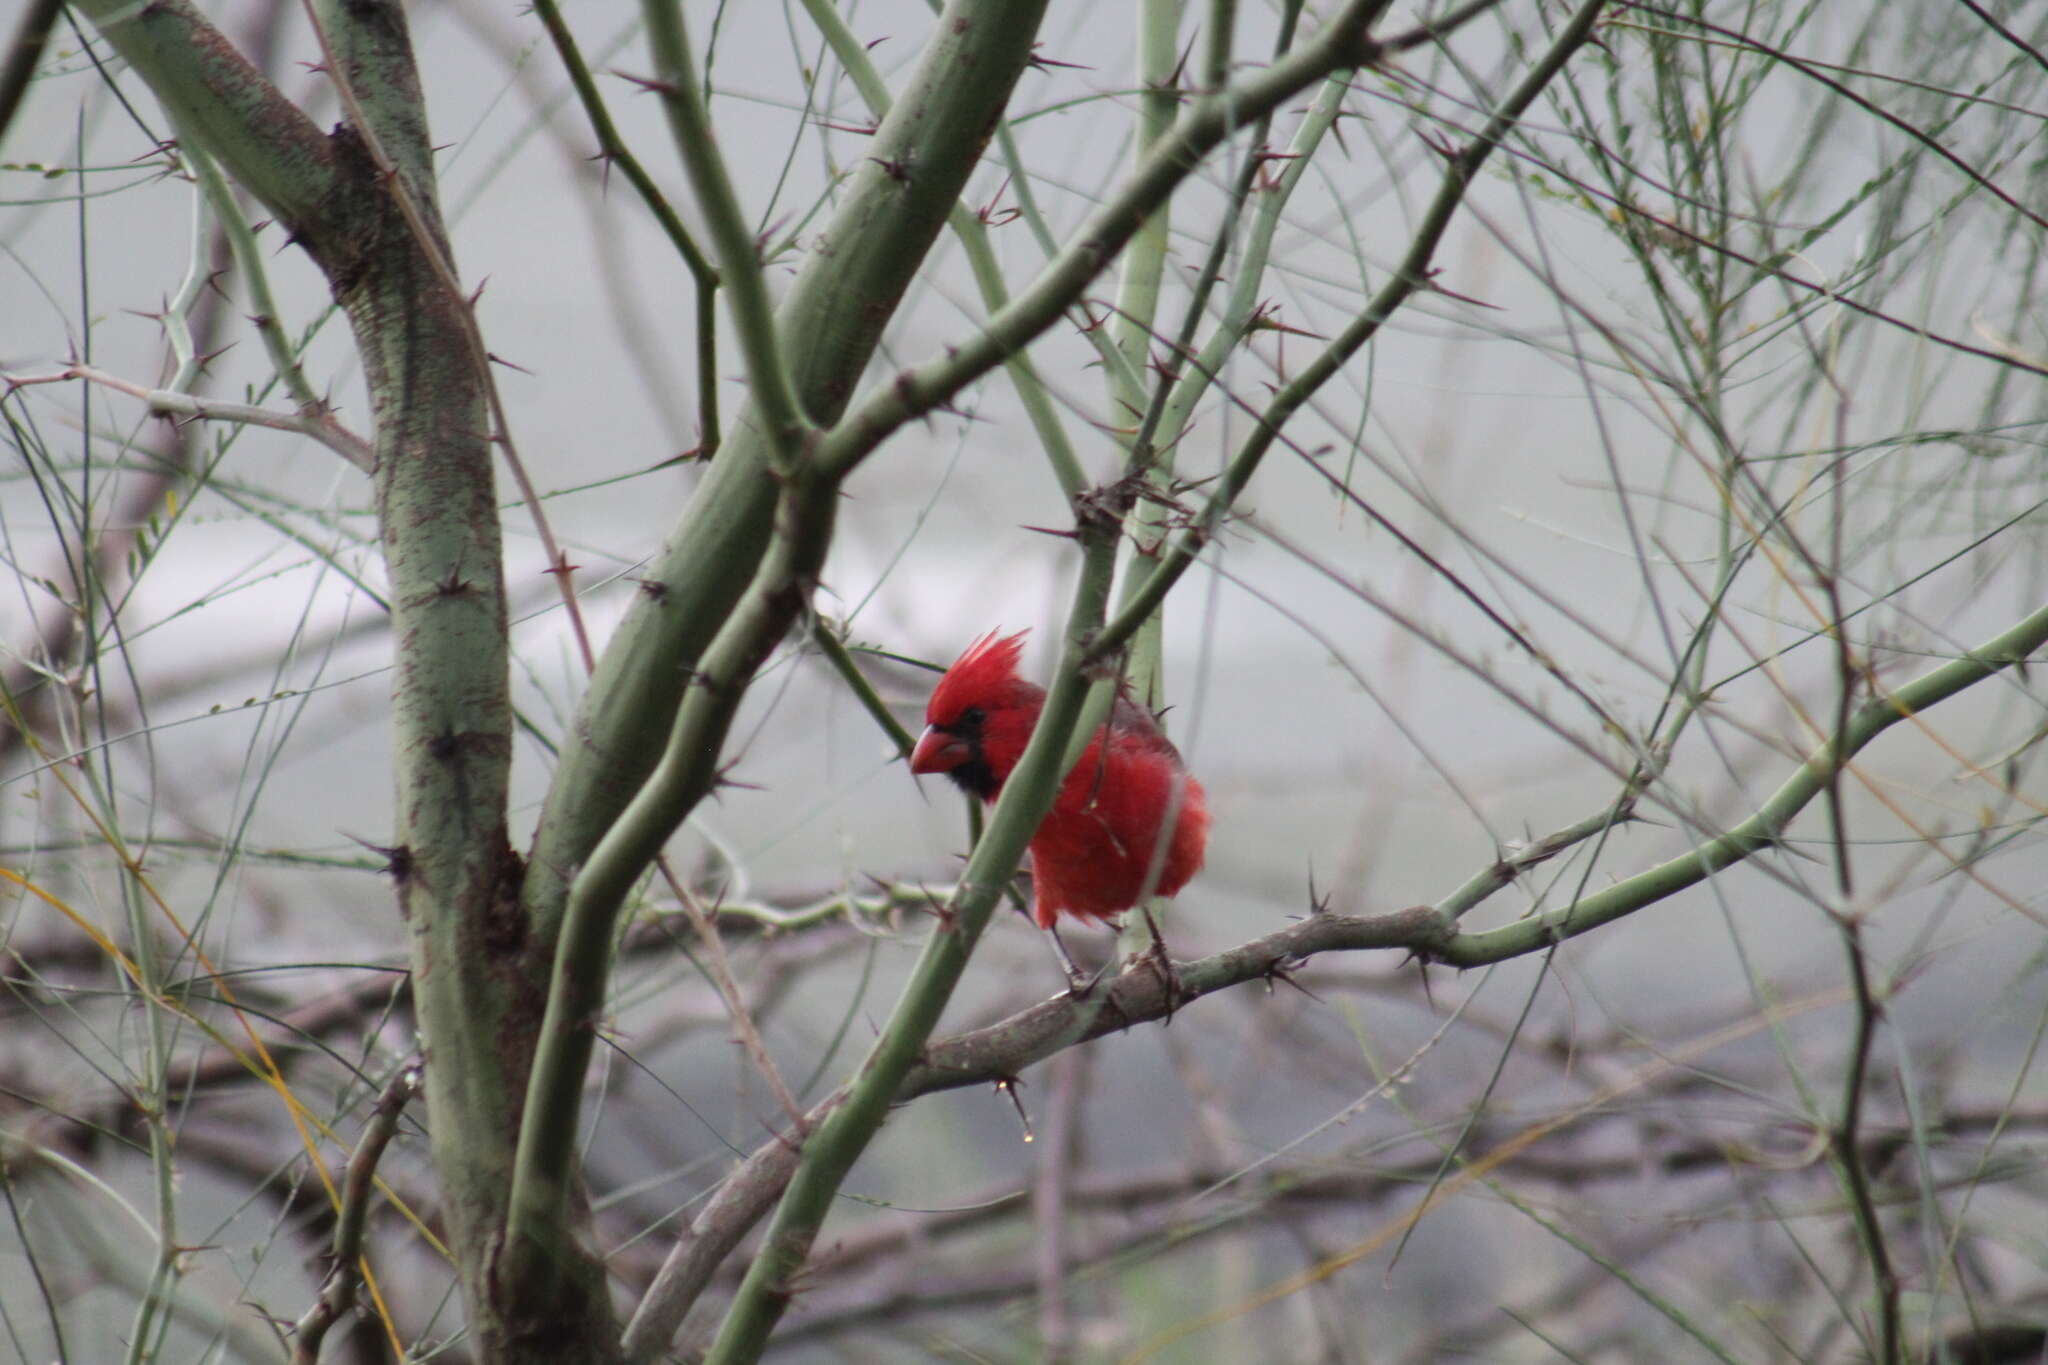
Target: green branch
{"type": "Point", "coordinates": [1412, 274]}
{"type": "Point", "coordinates": [687, 772]}
{"type": "Point", "coordinates": [215, 95]}
{"type": "Point", "coordinates": [831, 1150]}
{"type": "Point", "coordinates": [1767, 826]}
{"type": "Point", "coordinates": [256, 279]}
{"type": "Point", "coordinates": [686, 769]}
{"type": "Point", "coordinates": [1340, 45]}
{"type": "Point", "coordinates": [612, 147]}
{"type": "Point", "coordinates": [746, 287]}
{"type": "Point", "coordinates": [1131, 329]}
{"type": "Point", "coordinates": [971, 228]}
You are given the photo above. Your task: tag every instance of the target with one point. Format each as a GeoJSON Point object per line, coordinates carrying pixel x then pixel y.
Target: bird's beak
{"type": "Point", "coordinates": [939, 752]}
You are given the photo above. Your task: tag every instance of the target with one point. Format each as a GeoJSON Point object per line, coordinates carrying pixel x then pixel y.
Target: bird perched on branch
{"type": "Point", "coordinates": [1106, 843]}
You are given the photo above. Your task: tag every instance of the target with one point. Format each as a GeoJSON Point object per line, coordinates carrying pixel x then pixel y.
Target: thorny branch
{"type": "Point", "coordinates": [345, 1276]}
{"type": "Point", "coordinates": [323, 428]}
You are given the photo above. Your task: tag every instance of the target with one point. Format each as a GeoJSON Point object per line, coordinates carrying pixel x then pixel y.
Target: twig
{"type": "Point", "coordinates": [1513, 863]}
{"type": "Point", "coordinates": [1343, 43]}
{"type": "Point", "coordinates": [1050, 1189]}
{"type": "Point", "coordinates": [614, 151]}
{"type": "Point", "coordinates": [739, 261]}
{"type": "Point", "coordinates": [742, 1200]}
{"type": "Point", "coordinates": [729, 989]}
{"type": "Point", "coordinates": [344, 1277]}
{"type": "Point", "coordinates": [324, 429]}
{"type": "Point", "coordinates": [980, 1057]}
{"type": "Point", "coordinates": [833, 647]}
{"type": "Point", "coordinates": [1411, 275]}
{"type": "Point", "coordinates": [241, 239]}
{"type": "Point", "coordinates": [1843, 1146]}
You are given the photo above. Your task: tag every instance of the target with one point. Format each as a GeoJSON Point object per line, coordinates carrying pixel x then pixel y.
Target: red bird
{"type": "Point", "coordinates": [1091, 853]}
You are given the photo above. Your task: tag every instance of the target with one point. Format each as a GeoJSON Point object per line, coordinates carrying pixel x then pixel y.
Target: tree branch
{"type": "Point", "coordinates": [322, 428]}
{"type": "Point", "coordinates": [344, 1277]}
{"type": "Point", "coordinates": [216, 95]}
{"type": "Point", "coordinates": [1003, 1050]}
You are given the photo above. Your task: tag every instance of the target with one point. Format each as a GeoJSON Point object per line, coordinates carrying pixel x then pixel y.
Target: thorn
{"type": "Point", "coordinates": [209, 357]}
{"type": "Point", "coordinates": [1009, 1085]}
{"type": "Point", "coordinates": [1337, 130]}
{"type": "Point", "coordinates": [1262, 320]}
{"type": "Point", "coordinates": [720, 781]}
{"type": "Point", "coordinates": [938, 909]}
{"type": "Point", "coordinates": [397, 859]}
{"type": "Point", "coordinates": [1172, 81]}
{"type": "Point", "coordinates": [561, 564]}
{"type": "Point", "coordinates": [693, 454]}
{"type": "Point", "coordinates": [1046, 63]}
{"type": "Point", "coordinates": [1440, 145]}
{"type": "Point", "coordinates": [1282, 969]}
{"type": "Point", "coordinates": [1317, 905]}
{"type": "Point", "coordinates": [1429, 283]}
{"type": "Point", "coordinates": [646, 83]}
{"type": "Point", "coordinates": [761, 238]}
{"type": "Point", "coordinates": [991, 216]}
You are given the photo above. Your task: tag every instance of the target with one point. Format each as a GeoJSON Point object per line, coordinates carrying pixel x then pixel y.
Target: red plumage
{"type": "Point", "coordinates": [1091, 853]}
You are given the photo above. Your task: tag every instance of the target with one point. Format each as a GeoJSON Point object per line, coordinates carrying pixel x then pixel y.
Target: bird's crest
{"type": "Point", "coordinates": [981, 668]}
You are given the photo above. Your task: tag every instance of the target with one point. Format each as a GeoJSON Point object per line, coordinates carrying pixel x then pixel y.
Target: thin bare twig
{"type": "Point", "coordinates": [345, 1276]}
{"type": "Point", "coordinates": [729, 989]}
{"type": "Point", "coordinates": [1850, 1160]}
{"type": "Point", "coordinates": [1050, 1188]}
{"type": "Point", "coordinates": [324, 429]}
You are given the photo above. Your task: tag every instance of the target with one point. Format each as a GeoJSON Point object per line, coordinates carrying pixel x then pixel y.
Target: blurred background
{"type": "Point", "coordinates": [1732, 350]}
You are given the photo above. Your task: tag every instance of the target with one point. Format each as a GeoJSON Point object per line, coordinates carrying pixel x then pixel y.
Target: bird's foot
{"type": "Point", "coordinates": [1156, 960]}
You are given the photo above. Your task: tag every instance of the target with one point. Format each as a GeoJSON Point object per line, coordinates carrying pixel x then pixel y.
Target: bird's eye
{"type": "Point", "coordinates": [972, 717]}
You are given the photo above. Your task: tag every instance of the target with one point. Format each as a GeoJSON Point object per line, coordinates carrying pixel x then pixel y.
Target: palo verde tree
{"type": "Point", "coordinates": [1737, 261]}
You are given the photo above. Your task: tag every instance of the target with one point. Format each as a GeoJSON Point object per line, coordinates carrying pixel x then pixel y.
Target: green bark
{"type": "Point", "coordinates": [365, 208]}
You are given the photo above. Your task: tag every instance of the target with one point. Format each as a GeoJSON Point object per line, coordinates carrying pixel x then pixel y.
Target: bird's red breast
{"type": "Point", "coordinates": [1094, 853]}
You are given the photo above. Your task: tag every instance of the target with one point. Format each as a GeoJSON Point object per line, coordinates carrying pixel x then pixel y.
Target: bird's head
{"type": "Point", "coordinates": [979, 717]}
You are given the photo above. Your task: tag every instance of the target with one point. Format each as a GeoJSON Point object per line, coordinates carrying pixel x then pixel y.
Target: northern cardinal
{"type": "Point", "coordinates": [1091, 853]}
